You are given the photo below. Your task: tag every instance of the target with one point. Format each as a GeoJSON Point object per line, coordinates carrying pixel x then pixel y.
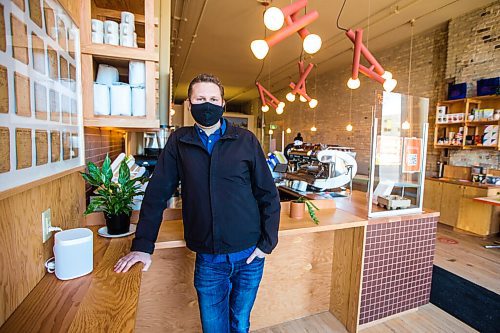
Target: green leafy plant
{"type": "Point", "coordinates": [310, 208]}
{"type": "Point", "coordinates": [114, 198]}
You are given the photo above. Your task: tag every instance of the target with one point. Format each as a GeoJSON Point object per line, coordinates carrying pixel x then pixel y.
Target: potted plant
{"type": "Point", "coordinates": [113, 198]}
{"type": "Point", "coordinates": [297, 208]}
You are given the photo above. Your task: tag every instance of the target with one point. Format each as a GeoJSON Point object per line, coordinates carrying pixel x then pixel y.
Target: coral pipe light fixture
{"type": "Point", "coordinates": [375, 71]}
{"type": "Point", "coordinates": [268, 99]}
{"type": "Point", "coordinates": [275, 18]}
{"type": "Point", "coordinates": [300, 86]}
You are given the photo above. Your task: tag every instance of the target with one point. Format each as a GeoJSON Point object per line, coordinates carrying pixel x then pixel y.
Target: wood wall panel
{"type": "Point", "coordinates": [23, 253]}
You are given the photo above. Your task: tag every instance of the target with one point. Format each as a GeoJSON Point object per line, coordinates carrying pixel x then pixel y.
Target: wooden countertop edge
{"type": "Point", "coordinates": [464, 183]}
{"type": "Point", "coordinates": [488, 200]}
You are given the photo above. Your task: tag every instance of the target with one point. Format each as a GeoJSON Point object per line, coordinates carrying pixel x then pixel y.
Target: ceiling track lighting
{"type": "Point", "coordinates": [285, 22]}
{"type": "Point", "coordinates": [269, 99]}
{"type": "Point", "coordinates": [375, 72]}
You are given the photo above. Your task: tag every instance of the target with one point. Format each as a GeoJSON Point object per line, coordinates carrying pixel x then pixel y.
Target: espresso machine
{"type": "Point", "coordinates": [322, 166]}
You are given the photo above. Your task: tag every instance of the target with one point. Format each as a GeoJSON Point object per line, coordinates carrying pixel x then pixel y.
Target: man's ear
{"type": "Point", "coordinates": [189, 104]}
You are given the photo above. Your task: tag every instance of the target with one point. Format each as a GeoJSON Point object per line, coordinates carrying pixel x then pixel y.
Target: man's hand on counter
{"type": "Point", "coordinates": [256, 253]}
{"type": "Point", "coordinates": [124, 263]}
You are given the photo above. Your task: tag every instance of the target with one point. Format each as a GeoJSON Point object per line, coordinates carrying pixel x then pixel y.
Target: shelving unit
{"type": "Point", "coordinates": [119, 56]}
{"type": "Point", "coordinates": [475, 127]}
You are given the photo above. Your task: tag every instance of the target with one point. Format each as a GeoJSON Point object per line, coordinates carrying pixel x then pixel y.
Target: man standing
{"type": "Point", "coordinates": [230, 210]}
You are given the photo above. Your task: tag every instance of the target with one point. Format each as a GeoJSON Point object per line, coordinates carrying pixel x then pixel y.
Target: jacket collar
{"type": "Point", "coordinates": [192, 137]}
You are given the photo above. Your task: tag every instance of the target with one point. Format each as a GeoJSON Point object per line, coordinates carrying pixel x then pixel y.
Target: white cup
{"type": "Point", "coordinates": [111, 35]}
{"type": "Point", "coordinates": [127, 18]}
{"type": "Point", "coordinates": [97, 31]}
{"type": "Point", "coordinates": [126, 35]}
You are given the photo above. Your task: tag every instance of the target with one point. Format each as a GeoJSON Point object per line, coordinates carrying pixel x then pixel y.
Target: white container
{"type": "Point", "coordinates": [97, 31]}
{"type": "Point", "coordinates": [136, 73]}
{"type": "Point", "coordinates": [128, 18]}
{"type": "Point", "coordinates": [126, 35]}
{"type": "Point", "coordinates": [120, 99]}
{"type": "Point", "coordinates": [101, 99]}
{"type": "Point", "coordinates": [135, 40]}
{"type": "Point", "coordinates": [107, 74]}
{"type": "Point", "coordinates": [73, 253]}
{"type": "Point", "coordinates": [111, 33]}
{"type": "Point", "coordinates": [138, 101]}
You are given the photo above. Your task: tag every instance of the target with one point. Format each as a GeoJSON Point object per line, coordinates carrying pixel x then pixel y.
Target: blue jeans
{"type": "Point", "coordinates": [226, 293]}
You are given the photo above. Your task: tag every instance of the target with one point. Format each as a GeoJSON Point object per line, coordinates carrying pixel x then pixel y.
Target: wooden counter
{"type": "Point", "coordinates": [464, 183]}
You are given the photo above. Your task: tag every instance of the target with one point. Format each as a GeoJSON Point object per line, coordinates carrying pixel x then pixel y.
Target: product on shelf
{"type": "Point", "coordinates": [138, 101]}
{"type": "Point", "coordinates": [107, 74]}
{"type": "Point", "coordinates": [97, 31]}
{"type": "Point", "coordinates": [490, 137]}
{"type": "Point", "coordinates": [101, 99]}
{"type": "Point", "coordinates": [111, 33]}
{"type": "Point", "coordinates": [120, 99]}
{"type": "Point", "coordinates": [137, 73]}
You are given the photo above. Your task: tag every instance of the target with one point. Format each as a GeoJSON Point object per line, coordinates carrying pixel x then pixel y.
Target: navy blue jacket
{"type": "Point", "coordinates": [229, 200]}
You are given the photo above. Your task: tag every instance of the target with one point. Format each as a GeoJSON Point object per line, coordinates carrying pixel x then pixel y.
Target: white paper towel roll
{"type": "Point", "coordinates": [101, 99]}
{"type": "Point", "coordinates": [107, 74]}
{"type": "Point", "coordinates": [138, 101]}
{"type": "Point", "coordinates": [120, 99]}
{"type": "Point", "coordinates": [136, 73]}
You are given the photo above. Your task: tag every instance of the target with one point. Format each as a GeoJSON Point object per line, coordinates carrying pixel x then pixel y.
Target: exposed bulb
{"type": "Point", "coordinates": [281, 105]}
{"type": "Point", "coordinates": [390, 84]}
{"type": "Point", "coordinates": [271, 132]}
{"type": "Point", "coordinates": [313, 103]}
{"type": "Point", "coordinates": [387, 75]}
{"type": "Point", "coordinates": [353, 83]}
{"type": "Point", "coordinates": [274, 18]}
{"type": "Point", "coordinates": [290, 97]}
{"type": "Point", "coordinates": [288, 130]}
{"type": "Point", "coordinates": [279, 110]}
{"type": "Point", "coordinates": [348, 128]}
{"type": "Point", "coordinates": [172, 112]}
{"type": "Point", "coordinates": [302, 99]}
{"type": "Point", "coordinates": [313, 129]}
{"type": "Point", "coordinates": [312, 43]}
{"type": "Point", "coordinates": [406, 125]}
{"type": "Point", "coordinates": [259, 48]}
{"type": "Point", "coordinates": [265, 108]}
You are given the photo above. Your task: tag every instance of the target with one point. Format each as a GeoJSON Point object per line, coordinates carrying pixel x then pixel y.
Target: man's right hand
{"type": "Point", "coordinates": [124, 263]}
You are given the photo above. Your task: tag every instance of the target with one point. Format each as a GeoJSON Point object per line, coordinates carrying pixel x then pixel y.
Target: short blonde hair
{"type": "Point", "coordinates": [205, 78]}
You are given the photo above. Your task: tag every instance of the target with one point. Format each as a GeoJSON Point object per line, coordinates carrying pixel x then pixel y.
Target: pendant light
{"type": "Point", "coordinates": [349, 125]}
{"type": "Point", "coordinates": [288, 130]}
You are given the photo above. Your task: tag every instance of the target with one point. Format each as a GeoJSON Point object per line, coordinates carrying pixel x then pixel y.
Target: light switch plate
{"type": "Point", "coordinates": [46, 223]}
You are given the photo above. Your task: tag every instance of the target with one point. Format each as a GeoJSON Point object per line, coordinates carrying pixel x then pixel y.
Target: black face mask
{"type": "Point", "coordinates": [206, 114]}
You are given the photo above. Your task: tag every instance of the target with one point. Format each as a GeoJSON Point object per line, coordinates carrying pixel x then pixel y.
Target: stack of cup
{"type": "Point", "coordinates": [127, 29]}
{"type": "Point", "coordinates": [111, 35]}
{"type": "Point", "coordinates": [97, 31]}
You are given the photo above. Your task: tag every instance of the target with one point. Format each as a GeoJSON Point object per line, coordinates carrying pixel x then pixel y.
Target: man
{"type": "Point", "coordinates": [230, 208]}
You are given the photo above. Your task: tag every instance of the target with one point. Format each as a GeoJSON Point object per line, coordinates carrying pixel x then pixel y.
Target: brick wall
{"type": "Point", "coordinates": [473, 54]}
{"type": "Point", "coordinates": [332, 113]}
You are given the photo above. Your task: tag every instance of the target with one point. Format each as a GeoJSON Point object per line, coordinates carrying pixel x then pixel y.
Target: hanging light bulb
{"type": "Point", "coordinates": [313, 129]}
{"type": "Point", "coordinates": [279, 110]}
{"type": "Point", "coordinates": [271, 132]}
{"type": "Point", "coordinates": [265, 108]}
{"type": "Point", "coordinates": [387, 75]}
{"type": "Point", "coordinates": [288, 130]}
{"type": "Point", "coordinates": [290, 97]}
{"type": "Point", "coordinates": [348, 128]}
{"type": "Point", "coordinates": [353, 83]}
{"type": "Point", "coordinates": [281, 105]}
{"type": "Point", "coordinates": [172, 111]}
{"type": "Point", "coordinates": [406, 125]}
{"type": "Point", "coordinates": [390, 84]}
{"type": "Point", "coordinates": [302, 99]}
{"type": "Point", "coordinates": [274, 18]}
{"type": "Point", "coordinates": [313, 103]}
{"type": "Point", "coordinates": [312, 43]}
{"type": "Point", "coordinates": [259, 48]}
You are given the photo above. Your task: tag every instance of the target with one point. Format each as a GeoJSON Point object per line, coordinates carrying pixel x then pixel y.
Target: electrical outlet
{"type": "Point", "coordinates": [46, 223]}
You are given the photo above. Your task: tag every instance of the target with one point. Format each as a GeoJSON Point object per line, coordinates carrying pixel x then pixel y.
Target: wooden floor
{"type": "Point", "coordinates": [468, 258]}
{"type": "Point", "coordinates": [427, 318]}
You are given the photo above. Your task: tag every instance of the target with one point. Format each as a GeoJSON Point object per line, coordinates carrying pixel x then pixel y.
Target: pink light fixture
{"type": "Point", "coordinates": [300, 87]}
{"type": "Point", "coordinates": [375, 71]}
{"type": "Point", "coordinates": [268, 99]}
{"type": "Point", "coordinates": [274, 18]}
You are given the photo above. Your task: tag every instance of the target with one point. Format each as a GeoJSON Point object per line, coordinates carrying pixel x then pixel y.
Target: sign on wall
{"type": "Point", "coordinates": [412, 155]}
{"type": "Point", "coordinates": [41, 126]}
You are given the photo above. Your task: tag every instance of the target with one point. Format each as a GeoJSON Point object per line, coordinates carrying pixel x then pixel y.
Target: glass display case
{"type": "Point", "coordinates": [398, 154]}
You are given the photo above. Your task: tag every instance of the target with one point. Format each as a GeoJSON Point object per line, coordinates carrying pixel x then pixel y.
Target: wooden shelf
{"type": "Point", "coordinates": [479, 147]}
{"type": "Point", "coordinates": [451, 124]}
{"type": "Point", "coordinates": [121, 121]}
{"type": "Point", "coordinates": [482, 122]}
{"type": "Point", "coordinates": [120, 52]}
{"type": "Point", "coordinates": [447, 146]}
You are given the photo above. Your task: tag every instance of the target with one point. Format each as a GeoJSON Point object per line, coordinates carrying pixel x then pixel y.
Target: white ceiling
{"type": "Point", "coordinates": [214, 36]}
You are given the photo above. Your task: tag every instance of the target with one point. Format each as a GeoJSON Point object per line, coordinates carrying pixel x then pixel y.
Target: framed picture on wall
{"type": "Point", "coordinates": [40, 93]}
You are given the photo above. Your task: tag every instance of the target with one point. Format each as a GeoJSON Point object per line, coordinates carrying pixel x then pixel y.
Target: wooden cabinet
{"type": "Point", "coordinates": [458, 209]}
